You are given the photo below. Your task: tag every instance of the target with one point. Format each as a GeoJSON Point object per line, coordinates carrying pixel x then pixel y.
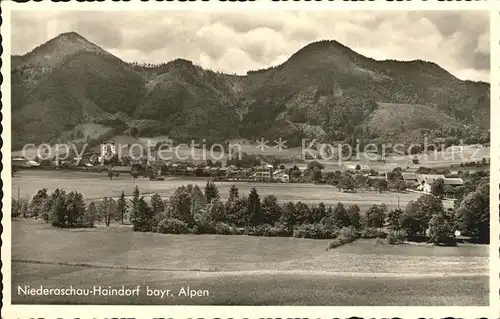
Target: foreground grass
{"type": "Point", "coordinates": [120, 246]}
{"type": "Point", "coordinates": [254, 288]}
{"type": "Point", "coordinates": [244, 270]}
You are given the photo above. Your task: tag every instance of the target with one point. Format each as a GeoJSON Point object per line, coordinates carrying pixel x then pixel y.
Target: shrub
{"type": "Point", "coordinates": [20, 207]}
{"type": "Point", "coordinates": [375, 216]}
{"type": "Point", "coordinates": [315, 231]}
{"type": "Point", "coordinates": [335, 243]}
{"type": "Point", "coordinates": [278, 230]}
{"type": "Point", "coordinates": [417, 238]}
{"type": "Point", "coordinates": [172, 226]}
{"type": "Point", "coordinates": [205, 228]}
{"type": "Point", "coordinates": [370, 232]}
{"type": "Point", "coordinates": [396, 237]}
{"type": "Point", "coordinates": [259, 230]}
{"type": "Point", "coordinates": [226, 229]}
{"type": "Point", "coordinates": [441, 230]}
{"type": "Point", "coordinates": [346, 235]}
{"type": "Point", "coordinates": [204, 224]}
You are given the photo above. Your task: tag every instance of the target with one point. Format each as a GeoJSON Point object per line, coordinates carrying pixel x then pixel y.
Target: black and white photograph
{"type": "Point", "coordinates": [249, 158]}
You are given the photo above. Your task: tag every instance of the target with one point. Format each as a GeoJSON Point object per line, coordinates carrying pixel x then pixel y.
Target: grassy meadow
{"type": "Point", "coordinates": [98, 185]}
{"type": "Point", "coordinates": [243, 270]}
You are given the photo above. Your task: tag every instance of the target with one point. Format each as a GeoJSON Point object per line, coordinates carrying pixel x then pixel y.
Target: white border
{"type": "Point", "coordinates": [80, 311]}
{"type": "Point", "coordinates": [495, 160]}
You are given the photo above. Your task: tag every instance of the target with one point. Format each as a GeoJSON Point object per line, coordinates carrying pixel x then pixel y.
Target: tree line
{"type": "Point", "coordinates": [191, 210]}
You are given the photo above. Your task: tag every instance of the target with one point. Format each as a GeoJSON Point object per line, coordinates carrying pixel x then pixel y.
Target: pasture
{"type": "Point", "coordinates": [97, 185]}
{"type": "Point", "coordinates": [243, 270]}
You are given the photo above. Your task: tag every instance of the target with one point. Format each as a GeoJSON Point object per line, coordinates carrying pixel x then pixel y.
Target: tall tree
{"type": "Point", "coordinates": [415, 219]}
{"type": "Point", "coordinates": [143, 221]}
{"type": "Point", "coordinates": [440, 228]}
{"type": "Point", "coordinates": [217, 211]}
{"type": "Point", "coordinates": [381, 185]}
{"type": "Point", "coordinates": [375, 216]}
{"type": "Point", "coordinates": [316, 175]}
{"type": "Point", "coordinates": [90, 215]}
{"type": "Point", "coordinates": [346, 182]}
{"type": "Point", "coordinates": [122, 207]}
{"type": "Point", "coordinates": [271, 209]}
{"type": "Point", "coordinates": [211, 192]}
{"type": "Point", "coordinates": [254, 208]}
{"type": "Point", "coordinates": [67, 209]}
{"type": "Point", "coordinates": [157, 205]}
{"type": "Point", "coordinates": [134, 201]}
{"type": "Point", "coordinates": [353, 212]}
{"type": "Point", "coordinates": [288, 216]}
{"type": "Point", "coordinates": [393, 218]}
{"type": "Point", "coordinates": [473, 214]}
{"type": "Point", "coordinates": [235, 211]}
{"type": "Point", "coordinates": [233, 193]}
{"type": "Point", "coordinates": [437, 188]}
{"type": "Point", "coordinates": [75, 209]}
{"type": "Point", "coordinates": [302, 213]}
{"type": "Point", "coordinates": [198, 201]}
{"type": "Point", "coordinates": [181, 206]}
{"type": "Point", "coordinates": [58, 208]}
{"type": "Point", "coordinates": [339, 217]}
{"type": "Point", "coordinates": [39, 203]}
{"type": "Point", "coordinates": [107, 210]}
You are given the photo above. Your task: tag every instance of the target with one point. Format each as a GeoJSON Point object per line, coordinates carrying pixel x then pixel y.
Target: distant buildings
{"type": "Point", "coordinates": [453, 181]}
{"type": "Point", "coordinates": [108, 150]}
{"type": "Point", "coordinates": [424, 181]}
{"type": "Point", "coordinates": [24, 163]}
{"type": "Point", "coordinates": [264, 173]}
{"type": "Point", "coordinates": [281, 176]}
{"type": "Point", "coordinates": [410, 178]}
{"type": "Point", "coordinates": [20, 162]}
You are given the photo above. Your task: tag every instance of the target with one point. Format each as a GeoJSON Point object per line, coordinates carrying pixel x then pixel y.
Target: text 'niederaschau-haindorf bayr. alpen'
{"type": "Point", "coordinates": [112, 291]}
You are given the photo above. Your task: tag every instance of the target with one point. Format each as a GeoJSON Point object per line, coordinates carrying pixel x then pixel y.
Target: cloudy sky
{"type": "Point", "coordinates": [237, 42]}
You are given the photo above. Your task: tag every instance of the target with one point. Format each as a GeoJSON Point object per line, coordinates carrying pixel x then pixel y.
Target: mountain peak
{"type": "Point", "coordinates": [71, 35]}
{"type": "Point", "coordinates": [323, 45]}
{"type": "Point", "coordinates": [57, 49]}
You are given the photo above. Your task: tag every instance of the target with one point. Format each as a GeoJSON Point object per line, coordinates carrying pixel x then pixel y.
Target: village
{"type": "Point", "coordinates": [253, 168]}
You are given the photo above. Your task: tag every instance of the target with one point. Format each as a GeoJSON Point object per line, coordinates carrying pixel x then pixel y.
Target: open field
{"type": "Point", "coordinates": [98, 185]}
{"type": "Point", "coordinates": [240, 269]}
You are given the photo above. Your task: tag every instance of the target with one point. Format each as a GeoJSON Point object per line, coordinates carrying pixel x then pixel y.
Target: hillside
{"type": "Point", "coordinates": [325, 91]}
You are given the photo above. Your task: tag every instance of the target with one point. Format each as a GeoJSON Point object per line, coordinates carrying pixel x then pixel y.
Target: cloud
{"type": "Point", "coordinates": [236, 42]}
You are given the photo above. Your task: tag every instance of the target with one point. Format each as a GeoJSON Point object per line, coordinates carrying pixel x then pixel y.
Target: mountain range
{"type": "Point", "coordinates": [325, 90]}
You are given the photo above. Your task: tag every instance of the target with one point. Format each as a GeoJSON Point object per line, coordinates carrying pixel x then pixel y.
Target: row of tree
{"type": "Point", "coordinates": [191, 210]}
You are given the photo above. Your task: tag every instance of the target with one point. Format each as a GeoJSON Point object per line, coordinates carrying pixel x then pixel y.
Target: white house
{"type": "Point", "coordinates": [263, 173]}
{"type": "Point", "coordinates": [32, 163]}
{"type": "Point", "coordinates": [281, 176]}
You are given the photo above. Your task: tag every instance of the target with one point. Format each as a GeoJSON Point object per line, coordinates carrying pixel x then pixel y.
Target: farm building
{"type": "Point", "coordinates": [426, 181]}
{"type": "Point", "coordinates": [454, 181]}
{"type": "Point", "coordinates": [410, 178]}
